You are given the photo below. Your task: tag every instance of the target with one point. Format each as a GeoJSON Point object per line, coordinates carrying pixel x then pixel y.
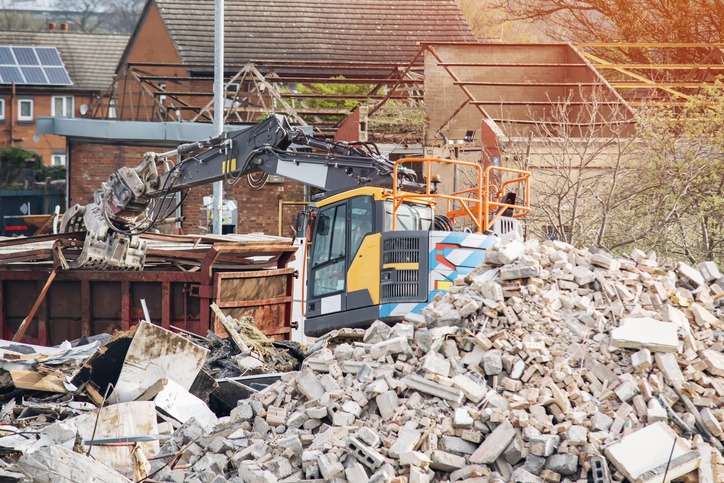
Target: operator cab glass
{"type": "Point", "coordinates": [410, 216]}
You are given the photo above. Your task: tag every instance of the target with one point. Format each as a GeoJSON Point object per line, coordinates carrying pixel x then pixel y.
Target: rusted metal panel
{"type": "Point", "coordinates": [240, 277]}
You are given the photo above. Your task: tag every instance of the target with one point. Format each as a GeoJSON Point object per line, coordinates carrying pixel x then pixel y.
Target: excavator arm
{"type": "Point", "coordinates": [133, 200]}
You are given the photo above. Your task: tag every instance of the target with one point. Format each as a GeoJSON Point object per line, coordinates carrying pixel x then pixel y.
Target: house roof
{"type": "Point", "coordinates": [90, 59]}
{"type": "Point", "coordinates": [325, 31]}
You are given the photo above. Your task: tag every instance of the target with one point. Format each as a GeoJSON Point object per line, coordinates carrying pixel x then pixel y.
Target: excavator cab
{"type": "Point", "coordinates": [380, 253]}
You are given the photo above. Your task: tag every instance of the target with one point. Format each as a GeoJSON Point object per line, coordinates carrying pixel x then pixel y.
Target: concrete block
{"type": "Point", "coordinates": [645, 333]}
{"type": "Point", "coordinates": [387, 403]}
{"type": "Point", "coordinates": [436, 363]}
{"type": "Point", "coordinates": [690, 275]}
{"type": "Point", "coordinates": [543, 445]}
{"type": "Point", "coordinates": [642, 360]}
{"type": "Point", "coordinates": [368, 437]}
{"type": "Point", "coordinates": [520, 475]}
{"type": "Point", "coordinates": [280, 467]}
{"type": "Point", "coordinates": [462, 418]}
{"type": "Point", "coordinates": [458, 446]}
{"type": "Point", "coordinates": [492, 362]}
{"type": "Point", "coordinates": [407, 439]}
{"type": "Point", "coordinates": [514, 452]}
{"type": "Point", "coordinates": [366, 455]}
{"type": "Point", "coordinates": [709, 271]}
{"type": "Point", "coordinates": [655, 412]}
{"type": "Point", "coordinates": [577, 435]}
{"type": "Point", "coordinates": [582, 276]}
{"type": "Point", "coordinates": [415, 458]}
{"type": "Point", "coordinates": [702, 316]}
{"type": "Point", "coordinates": [419, 475]}
{"type": "Point", "coordinates": [418, 383]}
{"type": "Point", "coordinates": [563, 464]}
{"type": "Point", "coordinates": [534, 464]}
{"type": "Point", "coordinates": [355, 473]}
{"type": "Point", "coordinates": [309, 385]}
{"type": "Point", "coordinates": [472, 390]}
{"type": "Point", "coordinates": [440, 460]}
{"type": "Point", "coordinates": [658, 439]}
{"type": "Point", "coordinates": [494, 444]}
{"type": "Point", "coordinates": [711, 423]}
{"type": "Point", "coordinates": [627, 389]}
{"type": "Point", "coordinates": [601, 422]}
{"type": "Point", "coordinates": [605, 261]}
{"type": "Point", "coordinates": [514, 272]}
{"type": "Point", "coordinates": [329, 466]}
{"type": "Point", "coordinates": [396, 345]}
{"type": "Point", "coordinates": [377, 332]}
{"type": "Point", "coordinates": [669, 367]}
{"type": "Point", "coordinates": [714, 362]}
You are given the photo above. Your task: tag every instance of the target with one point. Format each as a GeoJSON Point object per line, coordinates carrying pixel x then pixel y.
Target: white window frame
{"type": "Point", "coordinates": [31, 117]}
{"type": "Point", "coordinates": [68, 106]}
{"type": "Point", "coordinates": [58, 160]}
{"type": "Point", "coordinates": [2, 108]}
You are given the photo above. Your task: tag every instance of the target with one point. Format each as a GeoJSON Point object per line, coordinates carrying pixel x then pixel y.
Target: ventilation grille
{"type": "Point", "coordinates": [401, 250]}
{"type": "Point", "coordinates": [405, 287]}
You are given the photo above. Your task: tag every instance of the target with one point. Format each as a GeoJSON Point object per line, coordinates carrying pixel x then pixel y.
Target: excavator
{"type": "Point", "coordinates": [383, 237]}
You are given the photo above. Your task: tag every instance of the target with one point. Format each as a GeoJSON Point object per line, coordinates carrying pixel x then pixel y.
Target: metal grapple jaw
{"type": "Point", "coordinates": [103, 248]}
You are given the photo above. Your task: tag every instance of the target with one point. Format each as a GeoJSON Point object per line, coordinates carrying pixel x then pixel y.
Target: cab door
{"type": "Point", "coordinates": [340, 246]}
{"type": "Point", "coordinates": [328, 262]}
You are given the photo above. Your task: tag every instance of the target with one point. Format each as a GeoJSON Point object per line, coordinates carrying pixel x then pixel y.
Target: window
{"type": "Point", "coordinates": [362, 219]}
{"type": "Point", "coordinates": [58, 160]}
{"type": "Point", "coordinates": [329, 251]}
{"type": "Point", "coordinates": [62, 106]}
{"type": "Point", "coordinates": [2, 109]}
{"type": "Point", "coordinates": [25, 110]}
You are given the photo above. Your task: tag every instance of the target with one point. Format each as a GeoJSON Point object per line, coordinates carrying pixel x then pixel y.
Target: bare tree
{"type": "Point", "coordinates": [124, 15]}
{"type": "Point", "coordinates": [584, 172]}
{"type": "Point", "coordinates": [84, 15]}
{"type": "Point", "coordinates": [681, 213]}
{"type": "Point", "coordinates": [21, 21]}
{"type": "Point", "coordinates": [682, 21]}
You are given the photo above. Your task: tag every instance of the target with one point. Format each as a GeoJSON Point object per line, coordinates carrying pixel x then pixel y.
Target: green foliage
{"type": "Point", "coordinates": [334, 90]}
{"type": "Point", "coordinates": [681, 207]}
{"type": "Point", "coordinates": [42, 172]}
{"type": "Point", "coordinates": [12, 163]}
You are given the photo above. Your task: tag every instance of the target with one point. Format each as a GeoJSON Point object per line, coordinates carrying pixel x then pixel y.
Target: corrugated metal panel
{"type": "Point", "coordinates": [386, 31]}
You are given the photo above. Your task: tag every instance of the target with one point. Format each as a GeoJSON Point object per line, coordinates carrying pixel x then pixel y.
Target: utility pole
{"type": "Point", "coordinates": [219, 101]}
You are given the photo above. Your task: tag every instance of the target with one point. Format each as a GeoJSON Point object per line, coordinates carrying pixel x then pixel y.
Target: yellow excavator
{"type": "Point", "coordinates": [384, 239]}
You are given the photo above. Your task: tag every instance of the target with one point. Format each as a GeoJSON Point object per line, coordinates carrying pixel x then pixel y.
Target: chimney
{"type": "Point", "coordinates": [51, 26]}
{"type": "Point", "coordinates": [64, 27]}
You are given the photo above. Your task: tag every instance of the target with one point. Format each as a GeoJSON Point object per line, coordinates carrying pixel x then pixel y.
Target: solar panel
{"type": "Point", "coordinates": [32, 65]}
{"type": "Point", "coordinates": [6, 56]}
{"type": "Point", "coordinates": [25, 55]}
{"type": "Point", "coordinates": [48, 56]}
{"type": "Point", "coordinates": [58, 76]}
{"type": "Point", "coordinates": [11, 74]}
{"type": "Point", "coordinates": [34, 75]}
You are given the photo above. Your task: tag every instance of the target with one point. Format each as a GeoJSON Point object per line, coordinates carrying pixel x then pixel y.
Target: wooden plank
{"type": "Point", "coordinates": [37, 381]}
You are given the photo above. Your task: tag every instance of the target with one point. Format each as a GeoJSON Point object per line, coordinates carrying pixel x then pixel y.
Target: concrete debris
{"type": "Point", "coordinates": [546, 364]}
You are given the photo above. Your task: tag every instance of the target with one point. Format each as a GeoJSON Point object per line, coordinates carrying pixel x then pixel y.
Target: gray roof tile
{"type": "Point", "coordinates": [334, 31]}
{"type": "Point", "coordinates": [91, 59]}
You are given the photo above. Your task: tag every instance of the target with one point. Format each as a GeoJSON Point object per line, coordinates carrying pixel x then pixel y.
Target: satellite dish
{"type": "Point", "coordinates": [83, 109]}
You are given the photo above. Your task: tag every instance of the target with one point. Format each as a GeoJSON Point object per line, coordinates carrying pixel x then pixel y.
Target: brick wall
{"type": "Point", "coordinates": [91, 164]}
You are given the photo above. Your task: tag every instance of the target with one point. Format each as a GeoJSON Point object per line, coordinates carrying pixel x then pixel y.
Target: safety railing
{"type": "Point", "coordinates": [483, 204]}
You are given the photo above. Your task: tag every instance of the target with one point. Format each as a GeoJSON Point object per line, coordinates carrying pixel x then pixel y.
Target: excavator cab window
{"type": "Point", "coordinates": [410, 216]}
{"type": "Point", "coordinates": [329, 251]}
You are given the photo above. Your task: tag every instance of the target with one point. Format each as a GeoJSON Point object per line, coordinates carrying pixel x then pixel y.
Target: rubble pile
{"type": "Point", "coordinates": [546, 364]}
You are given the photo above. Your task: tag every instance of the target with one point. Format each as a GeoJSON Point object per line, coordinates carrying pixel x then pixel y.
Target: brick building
{"type": "Point", "coordinates": [166, 73]}
{"type": "Point", "coordinates": [51, 74]}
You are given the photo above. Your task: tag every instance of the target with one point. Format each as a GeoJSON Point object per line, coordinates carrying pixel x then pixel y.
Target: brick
{"type": "Point", "coordinates": [642, 360]}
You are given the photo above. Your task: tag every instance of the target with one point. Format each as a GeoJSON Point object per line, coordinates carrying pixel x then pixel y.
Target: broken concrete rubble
{"type": "Point", "coordinates": [537, 384]}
